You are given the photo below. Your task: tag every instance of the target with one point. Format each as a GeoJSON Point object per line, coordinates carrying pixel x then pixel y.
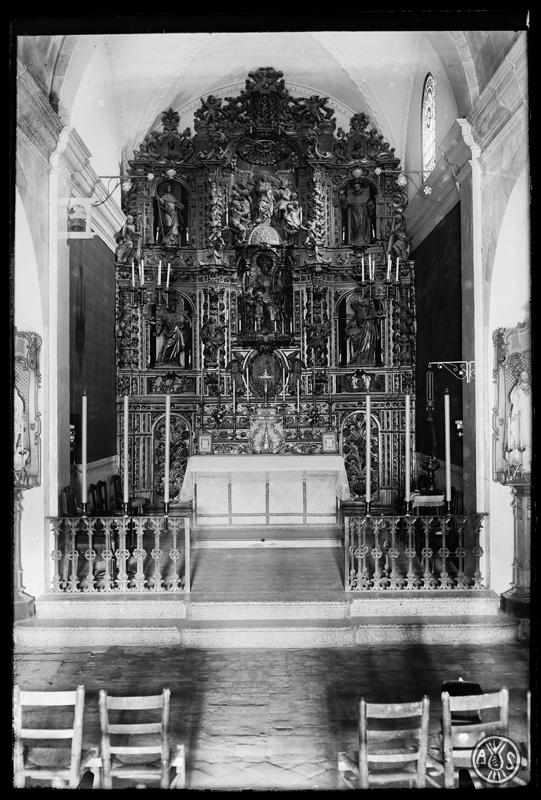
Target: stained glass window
{"type": "Point", "coordinates": [428, 126]}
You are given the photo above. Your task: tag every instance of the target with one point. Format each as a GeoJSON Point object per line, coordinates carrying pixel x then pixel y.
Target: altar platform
{"type": "Point", "coordinates": [265, 489]}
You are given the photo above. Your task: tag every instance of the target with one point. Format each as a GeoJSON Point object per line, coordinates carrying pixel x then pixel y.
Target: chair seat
{"type": "Point", "coordinates": [52, 758]}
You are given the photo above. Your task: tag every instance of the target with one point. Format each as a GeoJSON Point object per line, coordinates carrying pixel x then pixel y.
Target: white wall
{"type": "Point", "coordinates": [28, 317]}
{"type": "Point", "coordinates": [509, 304]}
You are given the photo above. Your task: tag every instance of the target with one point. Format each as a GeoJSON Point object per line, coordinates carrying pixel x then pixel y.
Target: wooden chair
{"type": "Point", "coordinates": [389, 754]}
{"type": "Point", "coordinates": [115, 498]}
{"type": "Point", "coordinates": [149, 758]}
{"type": "Point", "coordinates": [68, 503]}
{"type": "Point", "coordinates": [102, 498]}
{"type": "Point", "coordinates": [38, 761]}
{"type": "Point", "coordinates": [464, 723]}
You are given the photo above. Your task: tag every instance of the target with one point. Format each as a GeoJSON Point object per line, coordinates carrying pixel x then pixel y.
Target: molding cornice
{"type": "Point", "coordinates": [36, 119]}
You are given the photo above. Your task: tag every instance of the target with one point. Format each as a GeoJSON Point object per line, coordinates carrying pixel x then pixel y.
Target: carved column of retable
{"type": "Point", "coordinates": [23, 603]}
{"type": "Point", "coordinates": [517, 599]}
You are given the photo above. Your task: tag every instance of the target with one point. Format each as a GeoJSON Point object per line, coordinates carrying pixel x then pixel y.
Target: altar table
{"type": "Point", "coordinates": [265, 489]}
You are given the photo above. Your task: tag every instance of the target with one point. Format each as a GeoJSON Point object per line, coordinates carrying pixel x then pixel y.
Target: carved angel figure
{"type": "Point", "coordinates": [398, 244]}
{"type": "Point", "coordinates": [128, 241]}
{"type": "Point", "coordinates": [239, 210]}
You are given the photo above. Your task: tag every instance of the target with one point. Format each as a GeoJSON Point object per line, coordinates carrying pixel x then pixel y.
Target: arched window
{"type": "Point", "coordinates": [428, 126]}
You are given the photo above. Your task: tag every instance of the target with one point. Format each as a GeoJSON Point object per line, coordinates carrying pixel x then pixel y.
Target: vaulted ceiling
{"type": "Point", "coordinates": [133, 77]}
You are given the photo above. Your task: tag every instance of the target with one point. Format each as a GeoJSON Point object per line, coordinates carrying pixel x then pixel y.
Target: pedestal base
{"type": "Point", "coordinates": [23, 606]}
{"type": "Point", "coordinates": [516, 602]}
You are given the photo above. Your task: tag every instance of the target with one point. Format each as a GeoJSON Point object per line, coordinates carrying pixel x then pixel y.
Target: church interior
{"type": "Point", "coordinates": [271, 364]}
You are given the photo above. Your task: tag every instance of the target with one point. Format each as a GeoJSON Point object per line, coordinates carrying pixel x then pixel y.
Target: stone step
{"type": "Point", "coordinates": [313, 633]}
{"type": "Point", "coordinates": [202, 606]}
{"type": "Point", "coordinates": [240, 536]}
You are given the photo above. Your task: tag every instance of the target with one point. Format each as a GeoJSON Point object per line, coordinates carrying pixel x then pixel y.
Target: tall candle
{"type": "Point", "coordinates": [234, 399]}
{"type": "Point", "coordinates": [363, 269]}
{"type": "Point", "coordinates": [397, 265]}
{"type": "Point", "coordinates": [133, 273]}
{"type": "Point", "coordinates": [168, 275]}
{"type": "Point", "coordinates": [298, 396]}
{"type": "Point", "coordinates": [126, 469]}
{"type": "Point", "coordinates": [367, 451]}
{"type": "Point", "coordinates": [166, 434]}
{"type": "Point", "coordinates": [219, 372]}
{"type": "Point", "coordinates": [283, 384]}
{"type": "Point", "coordinates": [160, 272]}
{"type": "Point", "coordinates": [447, 447]}
{"type": "Point", "coordinates": [407, 467]}
{"type": "Point", "coordinates": [83, 448]}
{"type": "Point", "coordinates": [429, 386]}
{"type": "Point", "coordinates": [247, 387]}
{"type": "Point", "coordinates": [142, 272]}
{"type": "Point", "coordinates": [389, 268]}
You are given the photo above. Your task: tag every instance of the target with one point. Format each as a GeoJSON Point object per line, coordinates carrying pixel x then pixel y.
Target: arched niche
{"type": "Point", "coordinates": [357, 212]}
{"type": "Point", "coordinates": [170, 213]}
{"type": "Point", "coordinates": [353, 440]}
{"type": "Point", "coordinates": [360, 329]}
{"type": "Point", "coordinates": [180, 438]}
{"type": "Point", "coordinates": [171, 340]}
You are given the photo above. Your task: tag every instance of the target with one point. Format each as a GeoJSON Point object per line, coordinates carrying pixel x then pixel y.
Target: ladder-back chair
{"type": "Point", "coordinates": [35, 755]}
{"type": "Point", "coordinates": [148, 758]}
{"type": "Point", "coordinates": [465, 722]}
{"type": "Point", "coordinates": [393, 746]}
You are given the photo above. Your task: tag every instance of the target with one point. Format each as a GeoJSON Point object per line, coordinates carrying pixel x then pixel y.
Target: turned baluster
{"type": "Point", "coordinates": [139, 554]}
{"type": "Point", "coordinates": [379, 581]}
{"type": "Point", "coordinates": [108, 556]}
{"type": "Point", "coordinates": [89, 584]}
{"type": "Point", "coordinates": [173, 582]}
{"type": "Point", "coordinates": [475, 522]}
{"type": "Point", "coordinates": [460, 552]}
{"type": "Point", "coordinates": [156, 580]}
{"type": "Point", "coordinates": [396, 581]}
{"type": "Point", "coordinates": [412, 581]}
{"type": "Point", "coordinates": [122, 554]}
{"type": "Point", "coordinates": [56, 554]}
{"type": "Point", "coordinates": [444, 553]}
{"type": "Point", "coordinates": [429, 581]}
{"type": "Point", "coordinates": [73, 555]}
{"type": "Point", "coordinates": [363, 576]}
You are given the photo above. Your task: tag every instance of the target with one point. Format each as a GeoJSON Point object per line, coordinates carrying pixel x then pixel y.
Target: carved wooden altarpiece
{"type": "Point", "coordinates": [265, 235]}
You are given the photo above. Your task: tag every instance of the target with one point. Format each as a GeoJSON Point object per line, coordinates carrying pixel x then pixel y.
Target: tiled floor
{"type": "Point", "coordinates": [275, 719]}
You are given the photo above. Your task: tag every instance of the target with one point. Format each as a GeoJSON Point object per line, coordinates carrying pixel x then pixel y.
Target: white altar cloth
{"type": "Point", "coordinates": [265, 489]}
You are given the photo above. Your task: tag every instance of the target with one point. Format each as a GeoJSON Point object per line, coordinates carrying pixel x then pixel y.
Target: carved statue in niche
{"type": "Point", "coordinates": [240, 211]}
{"type": "Point", "coordinates": [263, 201]}
{"type": "Point", "coordinates": [265, 293]}
{"type": "Point", "coordinates": [358, 205]}
{"type": "Point", "coordinates": [174, 326]}
{"type": "Point", "coordinates": [169, 217]}
{"type": "Point", "coordinates": [235, 368]}
{"type": "Point", "coordinates": [317, 332]}
{"type": "Point", "coordinates": [212, 336]}
{"type": "Point", "coordinates": [364, 330]}
{"type": "Point", "coordinates": [21, 452]}
{"type": "Point", "coordinates": [296, 366]}
{"type": "Point", "coordinates": [518, 444]}
{"type": "Point", "coordinates": [398, 244]}
{"type": "Point", "coordinates": [128, 241]}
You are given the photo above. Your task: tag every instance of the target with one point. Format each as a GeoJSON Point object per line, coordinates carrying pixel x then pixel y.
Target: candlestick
{"type": "Point", "coordinates": [160, 272]}
{"type": "Point", "coordinates": [363, 270]}
{"type": "Point", "coordinates": [447, 450]}
{"type": "Point", "coordinates": [83, 452]}
{"type": "Point", "coordinates": [126, 469]}
{"type": "Point", "coordinates": [234, 399]}
{"type": "Point", "coordinates": [388, 268]}
{"type": "Point", "coordinates": [368, 494]}
{"type": "Point", "coordinates": [247, 387]}
{"type": "Point", "coordinates": [133, 273]}
{"type": "Point", "coordinates": [429, 386]}
{"type": "Point", "coordinates": [168, 275]}
{"type": "Point", "coordinates": [407, 466]}
{"type": "Point", "coordinates": [298, 396]}
{"type": "Point", "coordinates": [283, 384]}
{"type": "Point", "coordinates": [218, 355]}
{"type": "Point", "coordinates": [166, 434]}
{"type": "Point", "coordinates": [397, 265]}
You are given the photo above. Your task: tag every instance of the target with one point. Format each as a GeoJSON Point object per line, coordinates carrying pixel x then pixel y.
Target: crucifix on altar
{"type": "Point", "coordinates": [266, 377]}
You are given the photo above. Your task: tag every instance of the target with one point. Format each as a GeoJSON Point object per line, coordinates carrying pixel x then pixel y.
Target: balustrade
{"type": "Point", "coordinates": [120, 554]}
{"type": "Point", "coordinates": [409, 553]}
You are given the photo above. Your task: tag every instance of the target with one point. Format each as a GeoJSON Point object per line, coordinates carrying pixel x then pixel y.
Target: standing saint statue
{"type": "Point", "coordinates": [363, 331]}
{"type": "Point", "coordinates": [519, 425]}
{"type": "Point", "coordinates": [296, 366]}
{"type": "Point", "coordinates": [355, 200]}
{"type": "Point", "coordinates": [212, 336]}
{"type": "Point", "coordinates": [172, 326]}
{"type": "Point", "coordinates": [170, 216]}
{"type": "Point", "coordinates": [235, 368]}
{"type": "Point", "coordinates": [128, 241]}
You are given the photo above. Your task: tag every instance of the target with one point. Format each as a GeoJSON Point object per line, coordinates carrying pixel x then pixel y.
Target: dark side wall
{"type": "Point", "coordinates": [92, 345]}
{"type": "Point", "coordinates": [439, 330]}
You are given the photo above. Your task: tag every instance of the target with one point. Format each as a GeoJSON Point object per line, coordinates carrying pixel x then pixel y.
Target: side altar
{"type": "Point", "coordinates": [264, 285]}
{"type": "Point", "coordinates": [265, 489]}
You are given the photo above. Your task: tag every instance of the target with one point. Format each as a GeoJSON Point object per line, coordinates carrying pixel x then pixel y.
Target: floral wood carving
{"type": "Point", "coordinates": [27, 418]}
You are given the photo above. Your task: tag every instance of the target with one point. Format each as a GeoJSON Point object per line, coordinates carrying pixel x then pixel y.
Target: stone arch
{"type": "Point", "coordinates": [353, 448]}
